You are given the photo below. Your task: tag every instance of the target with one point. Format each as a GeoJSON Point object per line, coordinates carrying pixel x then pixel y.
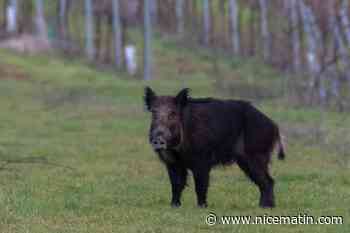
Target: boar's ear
{"type": "Point", "coordinates": [182, 97]}
{"type": "Point", "coordinates": [149, 98]}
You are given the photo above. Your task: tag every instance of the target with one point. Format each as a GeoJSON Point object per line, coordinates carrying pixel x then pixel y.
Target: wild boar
{"type": "Point", "coordinates": [196, 134]}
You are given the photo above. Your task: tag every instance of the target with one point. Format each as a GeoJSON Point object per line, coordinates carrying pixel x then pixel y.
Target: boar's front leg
{"type": "Point", "coordinates": [178, 177]}
{"type": "Point", "coordinates": [201, 180]}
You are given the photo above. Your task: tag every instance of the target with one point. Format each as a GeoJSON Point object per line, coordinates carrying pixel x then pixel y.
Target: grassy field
{"type": "Point", "coordinates": [74, 155]}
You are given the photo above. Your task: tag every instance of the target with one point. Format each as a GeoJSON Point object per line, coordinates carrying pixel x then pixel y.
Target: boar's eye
{"type": "Point", "coordinates": [172, 115]}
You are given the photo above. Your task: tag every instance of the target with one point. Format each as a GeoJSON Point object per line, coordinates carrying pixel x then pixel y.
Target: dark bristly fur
{"type": "Point", "coordinates": [197, 134]}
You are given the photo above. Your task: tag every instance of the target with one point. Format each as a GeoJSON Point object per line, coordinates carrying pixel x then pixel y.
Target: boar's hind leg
{"type": "Point", "coordinates": [256, 168]}
{"type": "Point", "coordinates": [201, 180]}
{"type": "Point", "coordinates": [178, 177]}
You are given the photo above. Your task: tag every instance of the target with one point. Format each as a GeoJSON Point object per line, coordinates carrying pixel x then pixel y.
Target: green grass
{"type": "Point", "coordinates": [74, 155]}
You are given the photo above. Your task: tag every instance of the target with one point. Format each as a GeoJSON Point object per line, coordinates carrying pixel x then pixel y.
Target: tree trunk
{"type": "Point", "coordinates": [206, 23]}
{"type": "Point", "coordinates": [344, 18]}
{"type": "Point", "coordinates": [314, 41]}
{"type": "Point", "coordinates": [252, 32]}
{"type": "Point", "coordinates": [118, 43]}
{"type": "Point", "coordinates": [89, 30]}
{"type": "Point", "coordinates": [63, 18]}
{"type": "Point", "coordinates": [343, 54]}
{"type": "Point", "coordinates": [40, 22]}
{"type": "Point", "coordinates": [294, 21]}
{"type": "Point", "coordinates": [235, 36]}
{"type": "Point", "coordinates": [25, 18]}
{"type": "Point", "coordinates": [265, 34]}
{"type": "Point", "coordinates": [154, 11]}
{"type": "Point", "coordinates": [223, 22]}
{"type": "Point", "coordinates": [11, 16]}
{"type": "Point", "coordinates": [4, 12]}
{"type": "Point", "coordinates": [195, 20]}
{"type": "Point", "coordinates": [147, 56]}
{"type": "Point", "coordinates": [180, 21]}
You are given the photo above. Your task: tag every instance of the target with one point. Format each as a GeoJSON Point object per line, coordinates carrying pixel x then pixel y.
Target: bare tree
{"type": "Point", "coordinates": [206, 22]}
{"type": "Point", "coordinates": [180, 21]}
{"type": "Point", "coordinates": [252, 30]}
{"type": "Point", "coordinates": [147, 41]}
{"type": "Point", "coordinates": [11, 16]}
{"type": "Point", "coordinates": [194, 16]}
{"type": "Point", "coordinates": [40, 21]}
{"type": "Point", "coordinates": [235, 36]}
{"type": "Point", "coordinates": [314, 42]}
{"type": "Point", "coordinates": [154, 11]}
{"type": "Point", "coordinates": [63, 18]}
{"type": "Point", "coordinates": [343, 53]}
{"type": "Point", "coordinates": [118, 43]}
{"type": "Point", "coordinates": [3, 20]}
{"type": "Point", "coordinates": [344, 18]}
{"type": "Point", "coordinates": [294, 21]}
{"type": "Point", "coordinates": [223, 22]}
{"type": "Point", "coordinates": [265, 34]}
{"type": "Point", "coordinates": [89, 30]}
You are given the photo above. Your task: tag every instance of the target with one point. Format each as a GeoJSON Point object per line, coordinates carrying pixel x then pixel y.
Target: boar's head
{"type": "Point", "coordinates": [166, 130]}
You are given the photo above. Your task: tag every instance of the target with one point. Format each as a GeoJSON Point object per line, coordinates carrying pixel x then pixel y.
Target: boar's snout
{"type": "Point", "coordinates": [159, 138]}
{"type": "Point", "coordinates": [158, 143]}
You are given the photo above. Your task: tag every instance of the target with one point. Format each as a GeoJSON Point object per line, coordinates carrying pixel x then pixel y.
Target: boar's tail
{"type": "Point", "coordinates": [281, 155]}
